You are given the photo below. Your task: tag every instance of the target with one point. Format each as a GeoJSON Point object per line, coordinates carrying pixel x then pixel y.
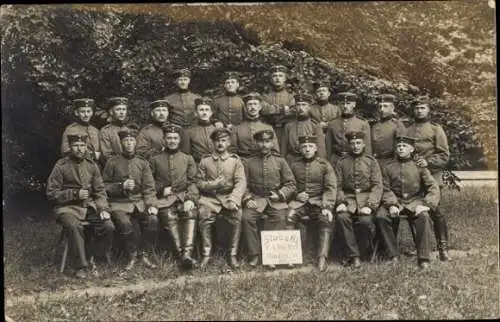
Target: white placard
{"type": "Point", "coordinates": [281, 247]}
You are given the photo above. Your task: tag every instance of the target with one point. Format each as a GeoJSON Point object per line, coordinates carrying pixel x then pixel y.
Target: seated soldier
{"type": "Point", "coordinates": [408, 190]}
{"type": "Point", "coordinates": [132, 197]}
{"type": "Point", "coordinates": [359, 192]}
{"type": "Point", "coordinates": [174, 173]}
{"type": "Point", "coordinates": [270, 183]}
{"type": "Point", "coordinates": [316, 193]}
{"type": "Point", "coordinates": [222, 183]}
{"type": "Point", "coordinates": [75, 186]}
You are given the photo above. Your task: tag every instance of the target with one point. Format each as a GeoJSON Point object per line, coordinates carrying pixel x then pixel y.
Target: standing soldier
{"type": "Point", "coordinates": [270, 183]}
{"type": "Point", "coordinates": [431, 151]}
{"type": "Point", "coordinates": [182, 111]}
{"type": "Point", "coordinates": [316, 194]}
{"type": "Point", "coordinates": [229, 108]}
{"type": "Point", "coordinates": [198, 137]}
{"type": "Point", "coordinates": [302, 126]}
{"type": "Point", "coordinates": [222, 183]}
{"type": "Point", "coordinates": [359, 193]}
{"type": "Point", "coordinates": [243, 142]}
{"type": "Point", "coordinates": [408, 190]}
{"type": "Point", "coordinates": [323, 112]}
{"type": "Point", "coordinates": [75, 186]}
{"type": "Point", "coordinates": [132, 197]}
{"type": "Point", "coordinates": [108, 135]}
{"type": "Point", "coordinates": [174, 173]}
{"type": "Point", "coordinates": [385, 129]}
{"type": "Point", "coordinates": [279, 101]}
{"type": "Point", "coordinates": [336, 142]}
{"type": "Point", "coordinates": [83, 111]}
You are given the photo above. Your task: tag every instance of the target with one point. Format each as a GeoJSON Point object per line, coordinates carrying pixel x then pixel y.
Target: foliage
{"type": "Point", "coordinates": [51, 56]}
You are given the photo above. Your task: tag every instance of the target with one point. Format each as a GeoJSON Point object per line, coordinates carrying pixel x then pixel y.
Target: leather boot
{"type": "Point", "coordinates": [206, 242]}
{"type": "Point", "coordinates": [131, 263]}
{"type": "Point", "coordinates": [145, 260]}
{"type": "Point", "coordinates": [441, 234]}
{"type": "Point", "coordinates": [173, 229]}
{"type": "Point", "coordinates": [187, 246]}
{"type": "Point", "coordinates": [322, 265]}
{"type": "Point", "coordinates": [254, 260]}
{"type": "Point", "coordinates": [323, 247]}
{"type": "Point", "coordinates": [233, 247]}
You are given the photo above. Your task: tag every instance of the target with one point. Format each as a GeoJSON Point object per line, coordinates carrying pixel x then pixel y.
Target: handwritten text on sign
{"type": "Point", "coordinates": [281, 247]}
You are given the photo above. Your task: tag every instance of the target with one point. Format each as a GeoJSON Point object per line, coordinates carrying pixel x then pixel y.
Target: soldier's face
{"type": "Point", "coordinates": [278, 79]}
{"type": "Point", "coordinates": [357, 146]}
{"type": "Point", "coordinates": [183, 82]}
{"type": "Point", "coordinates": [421, 111]}
{"type": "Point", "coordinates": [302, 108]}
{"type": "Point", "coordinates": [84, 114]}
{"type": "Point", "coordinates": [308, 150]}
{"type": "Point", "coordinates": [172, 140]}
{"type": "Point", "coordinates": [253, 108]}
{"type": "Point", "coordinates": [128, 144]}
{"type": "Point", "coordinates": [222, 144]}
{"type": "Point", "coordinates": [160, 114]}
{"type": "Point", "coordinates": [265, 145]}
{"type": "Point", "coordinates": [204, 112]}
{"type": "Point", "coordinates": [322, 93]}
{"type": "Point", "coordinates": [348, 107]}
{"type": "Point", "coordinates": [78, 149]}
{"type": "Point", "coordinates": [231, 85]}
{"type": "Point", "coordinates": [386, 109]}
{"type": "Point", "coordinates": [404, 150]}
{"type": "Point", "coordinates": [119, 112]}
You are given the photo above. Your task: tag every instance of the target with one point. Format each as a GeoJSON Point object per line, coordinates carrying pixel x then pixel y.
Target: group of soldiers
{"type": "Point", "coordinates": [276, 157]}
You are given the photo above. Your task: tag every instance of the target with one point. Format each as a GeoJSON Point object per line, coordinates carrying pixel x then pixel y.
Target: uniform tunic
{"type": "Point", "coordinates": [324, 112]}
{"type": "Point", "coordinates": [109, 139]}
{"type": "Point", "coordinates": [150, 141]}
{"type": "Point", "coordinates": [272, 112]}
{"type": "Point", "coordinates": [78, 128]}
{"type": "Point", "coordinates": [383, 135]}
{"type": "Point", "coordinates": [183, 108]}
{"type": "Point", "coordinates": [290, 146]}
{"type": "Point", "coordinates": [242, 139]}
{"type": "Point", "coordinates": [199, 143]}
{"type": "Point", "coordinates": [229, 109]}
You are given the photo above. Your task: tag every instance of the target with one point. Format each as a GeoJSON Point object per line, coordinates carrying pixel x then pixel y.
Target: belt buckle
{"type": "Point", "coordinates": [405, 195]}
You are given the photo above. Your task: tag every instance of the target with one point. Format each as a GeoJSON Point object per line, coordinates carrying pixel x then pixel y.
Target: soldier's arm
{"type": "Point", "coordinates": [433, 194]}
{"type": "Point", "coordinates": [113, 188]}
{"type": "Point", "coordinates": [329, 187]}
{"type": "Point", "coordinates": [439, 159]}
{"type": "Point", "coordinates": [64, 143]}
{"type": "Point", "coordinates": [247, 195]}
{"type": "Point", "coordinates": [340, 177]}
{"type": "Point", "coordinates": [377, 186]}
{"type": "Point", "coordinates": [289, 185]}
{"type": "Point", "coordinates": [158, 186]}
{"type": "Point", "coordinates": [275, 142]}
{"type": "Point", "coordinates": [328, 143]}
{"type": "Point", "coordinates": [269, 109]}
{"type": "Point", "coordinates": [368, 138]}
{"type": "Point", "coordinates": [193, 193]}
{"type": "Point", "coordinates": [284, 140]}
{"type": "Point", "coordinates": [388, 196]}
{"type": "Point", "coordinates": [240, 183]}
{"type": "Point", "coordinates": [148, 186]}
{"type": "Point", "coordinates": [55, 191]}
{"type": "Point", "coordinates": [216, 116]}
{"type": "Point", "coordinates": [143, 144]}
{"type": "Point", "coordinates": [105, 143]}
{"type": "Point", "coordinates": [321, 141]}
{"type": "Point", "coordinates": [98, 189]}
{"type": "Point", "coordinates": [185, 142]}
{"type": "Point", "coordinates": [202, 181]}
{"type": "Point", "coordinates": [233, 148]}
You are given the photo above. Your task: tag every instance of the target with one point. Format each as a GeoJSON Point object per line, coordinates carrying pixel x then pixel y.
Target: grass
{"type": "Point", "coordinates": [464, 288]}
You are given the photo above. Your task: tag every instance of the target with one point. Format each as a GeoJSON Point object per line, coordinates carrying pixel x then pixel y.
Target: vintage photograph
{"type": "Point", "coordinates": [250, 161]}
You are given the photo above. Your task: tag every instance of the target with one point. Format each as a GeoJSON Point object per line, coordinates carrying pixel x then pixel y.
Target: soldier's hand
{"type": "Point", "coordinates": [274, 196]}
{"type": "Point", "coordinates": [341, 208]}
{"type": "Point", "coordinates": [328, 214]}
{"type": "Point", "coordinates": [153, 211]}
{"type": "Point", "coordinates": [323, 124]}
{"type": "Point", "coordinates": [229, 126]}
{"type": "Point", "coordinates": [422, 163]}
{"type": "Point", "coordinates": [394, 211]}
{"type": "Point", "coordinates": [128, 184]}
{"type": "Point", "coordinates": [220, 181]}
{"type": "Point", "coordinates": [420, 209]}
{"type": "Point", "coordinates": [104, 215]}
{"type": "Point", "coordinates": [251, 204]}
{"type": "Point", "coordinates": [231, 205]}
{"type": "Point", "coordinates": [188, 205]}
{"type": "Point", "coordinates": [365, 211]}
{"type": "Point", "coordinates": [303, 196]}
{"type": "Point", "coordinates": [97, 155]}
{"type": "Point", "coordinates": [167, 191]}
{"type": "Point", "coordinates": [219, 125]}
{"type": "Point", "coordinates": [83, 194]}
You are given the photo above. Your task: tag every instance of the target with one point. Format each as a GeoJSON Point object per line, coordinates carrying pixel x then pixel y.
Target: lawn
{"type": "Point", "coordinates": [464, 288]}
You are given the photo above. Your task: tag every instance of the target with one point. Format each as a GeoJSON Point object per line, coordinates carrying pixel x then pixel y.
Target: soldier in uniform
{"type": "Point", "coordinates": [222, 183]}
{"type": "Point", "coordinates": [278, 102]}
{"type": "Point", "coordinates": [316, 194]}
{"type": "Point", "coordinates": [323, 112]}
{"type": "Point", "coordinates": [182, 111]}
{"type": "Point", "coordinates": [83, 111]}
{"type": "Point", "coordinates": [108, 135]}
{"type": "Point", "coordinates": [359, 193]}
{"type": "Point", "coordinates": [432, 152]}
{"type": "Point", "coordinates": [132, 197]}
{"type": "Point", "coordinates": [198, 137]}
{"type": "Point", "coordinates": [174, 173]}
{"type": "Point", "coordinates": [76, 187]}
{"type": "Point", "coordinates": [270, 184]}
{"type": "Point", "coordinates": [229, 108]}
{"type": "Point", "coordinates": [243, 142]}
{"type": "Point", "coordinates": [385, 129]}
{"type": "Point", "coordinates": [336, 142]}
{"type": "Point", "coordinates": [302, 126]}
{"type": "Point", "coordinates": [408, 190]}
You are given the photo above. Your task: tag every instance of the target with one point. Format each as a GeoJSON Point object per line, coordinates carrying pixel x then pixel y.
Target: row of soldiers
{"type": "Point", "coordinates": [277, 124]}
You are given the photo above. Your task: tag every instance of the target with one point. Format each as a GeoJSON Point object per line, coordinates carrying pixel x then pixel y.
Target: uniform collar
{"type": "Point", "coordinates": [223, 157]}
{"type": "Point", "coordinates": [231, 93]}
{"type": "Point", "coordinates": [128, 156]}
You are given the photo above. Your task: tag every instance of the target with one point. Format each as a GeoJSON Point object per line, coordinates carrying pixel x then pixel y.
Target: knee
{"type": "Point", "coordinates": [343, 217]}
{"type": "Point", "coordinates": [108, 227]}
{"type": "Point", "coordinates": [123, 224]}
{"type": "Point", "coordinates": [204, 214]}
{"type": "Point", "coordinates": [152, 222]}
{"type": "Point", "coordinates": [366, 221]}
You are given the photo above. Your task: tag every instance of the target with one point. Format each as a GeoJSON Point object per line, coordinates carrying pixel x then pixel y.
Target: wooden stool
{"type": "Point", "coordinates": [64, 239]}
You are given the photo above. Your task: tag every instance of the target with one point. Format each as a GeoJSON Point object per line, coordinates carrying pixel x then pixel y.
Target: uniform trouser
{"type": "Point", "coordinates": [354, 229]}
{"type": "Point", "coordinates": [275, 220]}
{"type": "Point", "coordinates": [324, 227]}
{"type": "Point", "coordinates": [79, 236]}
{"type": "Point", "coordinates": [440, 228]}
{"type": "Point", "coordinates": [422, 224]}
{"type": "Point", "coordinates": [207, 218]}
{"type": "Point", "coordinates": [181, 227]}
{"type": "Point", "coordinates": [137, 230]}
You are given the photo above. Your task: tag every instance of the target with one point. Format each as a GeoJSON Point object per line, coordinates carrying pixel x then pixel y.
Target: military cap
{"type": "Point", "coordinates": [182, 72]}
{"type": "Point", "coordinates": [171, 128]}
{"type": "Point", "coordinates": [113, 101]}
{"type": "Point", "coordinates": [78, 137]}
{"type": "Point", "coordinates": [261, 135]}
{"type": "Point", "coordinates": [220, 133]}
{"type": "Point", "coordinates": [405, 139]}
{"type": "Point", "coordinates": [303, 97]}
{"type": "Point", "coordinates": [127, 132]}
{"type": "Point", "coordinates": [231, 75]}
{"type": "Point", "coordinates": [203, 100]}
{"type": "Point", "coordinates": [421, 100]}
{"type": "Point", "coordinates": [346, 97]}
{"type": "Point", "coordinates": [389, 98]}
{"type": "Point", "coordinates": [252, 96]}
{"type": "Point", "coordinates": [355, 135]}
{"type": "Point", "coordinates": [83, 102]}
{"type": "Point", "coordinates": [308, 139]}
{"type": "Point", "coordinates": [159, 103]}
{"type": "Point", "coordinates": [279, 68]}
{"type": "Point", "coordinates": [321, 83]}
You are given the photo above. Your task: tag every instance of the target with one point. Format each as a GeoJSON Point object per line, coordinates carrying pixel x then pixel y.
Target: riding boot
{"type": "Point", "coordinates": [441, 234]}
{"type": "Point", "coordinates": [323, 247]}
{"type": "Point", "coordinates": [206, 242]}
{"type": "Point", "coordinates": [187, 246]}
{"type": "Point", "coordinates": [174, 233]}
{"type": "Point", "coordinates": [233, 247]}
